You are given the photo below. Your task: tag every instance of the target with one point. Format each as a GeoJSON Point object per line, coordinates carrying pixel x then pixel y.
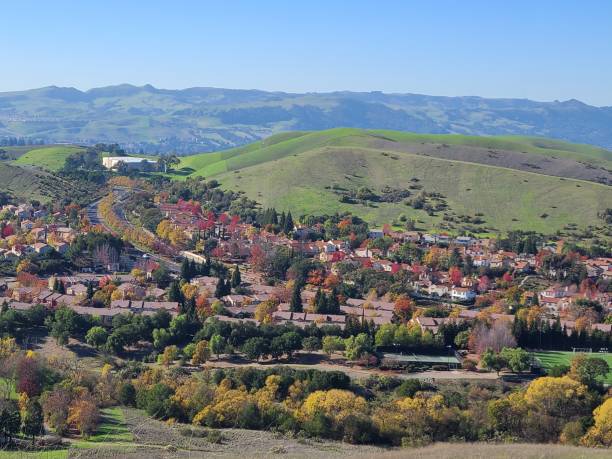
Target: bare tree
{"type": "Point", "coordinates": [496, 337]}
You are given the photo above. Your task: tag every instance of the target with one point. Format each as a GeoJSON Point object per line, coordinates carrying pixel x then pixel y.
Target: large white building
{"type": "Point", "coordinates": [132, 162]}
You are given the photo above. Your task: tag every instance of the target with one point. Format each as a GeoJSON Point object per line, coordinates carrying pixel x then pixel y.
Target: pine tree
{"type": "Point", "coordinates": [288, 228]}
{"type": "Point", "coordinates": [333, 304]}
{"type": "Point", "coordinates": [296, 298]}
{"type": "Point", "coordinates": [175, 294]}
{"type": "Point", "coordinates": [220, 288]}
{"type": "Point", "coordinates": [228, 287]}
{"type": "Point", "coordinates": [186, 270]}
{"type": "Point", "coordinates": [320, 302]}
{"type": "Point", "coordinates": [281, 221]}
{"type": "Point", "coordinates": [90, 291]}
{"type": "Point", "coordinates": [236, 278]}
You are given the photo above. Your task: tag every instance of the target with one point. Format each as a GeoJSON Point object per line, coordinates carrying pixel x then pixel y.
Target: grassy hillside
{"type": "Point", "coordinates": [26, 182]}
{"type": "Point", "coordinates": [309, 173]}
{"type": "Point", "coordinates": [51, 158]}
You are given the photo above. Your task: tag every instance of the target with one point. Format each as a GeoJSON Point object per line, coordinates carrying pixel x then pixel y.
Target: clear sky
{"type": "Point", "coordinates": [538, 49]}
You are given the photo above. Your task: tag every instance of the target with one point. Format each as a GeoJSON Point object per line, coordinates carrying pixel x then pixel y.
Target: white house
{"type": "Point", "coordinates": [462, 294]}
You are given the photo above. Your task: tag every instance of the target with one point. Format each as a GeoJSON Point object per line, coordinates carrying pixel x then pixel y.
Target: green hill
{"type": "Point", "coordinates": [51, 158]}
{"type": "Point", "coordinates": [486, 183]}
{"type": "Point", "coordinates": [26, 182]}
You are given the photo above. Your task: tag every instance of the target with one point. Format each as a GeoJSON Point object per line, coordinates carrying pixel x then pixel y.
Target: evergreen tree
{"type": "Point", "coordinates": [236, 278]}
{"type": "Point", "coordinates": [175, 294]}
{"type": "Point", "coordinates": [295, 304]}
{"type": "Point", "coordinates": [333, 304]}
{"type": "Point", "coordinates": [289, 223]}
{"type": "Point", "coordinates": [62, 288]}
{"type": "Point", "coordinates": [90, 291]}
{"type": "Point", "coordinates": [56, 284]}
{"type": "Point", "coordinates": [281, 221]}
{"type": "Point", "coordinates": [186, 270]}
{"type": "Point", "coordinates": [228, 287]}
{"type": "Point", "coordinates": [320, 302]}
{"type": "Point", "coordinates": [220, 288]}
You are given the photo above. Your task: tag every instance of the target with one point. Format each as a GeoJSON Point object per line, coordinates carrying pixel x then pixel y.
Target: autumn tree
{"type": "Point", "coordinates": [403, 308]}
{"type": "Point", "coordinates": [600, 434]}
{"type": "Point", "coordinates": [201, 353]}
{"type": "Point", "coordinates": [84, 415]}
{"type": "Point", "coordinates": [264, 311]}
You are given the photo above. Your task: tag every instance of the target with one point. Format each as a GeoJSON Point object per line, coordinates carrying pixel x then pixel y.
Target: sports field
{"type": "Point", "coordinates": [551, 358]}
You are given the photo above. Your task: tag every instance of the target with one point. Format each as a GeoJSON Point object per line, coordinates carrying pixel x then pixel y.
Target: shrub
{"type": "Point", "coordinates": [127, 394]}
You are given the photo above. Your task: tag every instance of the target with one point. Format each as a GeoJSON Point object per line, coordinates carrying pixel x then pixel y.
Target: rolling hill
{"type": "Point", "coordinates": [210, 119]}
{"type": "Point", "coordinates": [26, 182]}
{"type": "Point", "coordinates": [48, 157]}
{"type": "Point", "coordinates": [487, 184]}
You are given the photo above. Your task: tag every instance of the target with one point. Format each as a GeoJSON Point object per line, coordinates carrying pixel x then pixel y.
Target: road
{"type": "Point", "coordinates": [93, 214]}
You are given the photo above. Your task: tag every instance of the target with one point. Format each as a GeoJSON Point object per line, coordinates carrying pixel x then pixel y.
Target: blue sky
{"type": "Point", "coordinates": [539, 49]}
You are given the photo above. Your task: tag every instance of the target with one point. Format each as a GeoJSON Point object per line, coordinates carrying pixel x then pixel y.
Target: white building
{"type": "Point", "coordinates": [132, 162]}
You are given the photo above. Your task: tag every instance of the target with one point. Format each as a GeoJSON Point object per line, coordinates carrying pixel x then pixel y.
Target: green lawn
{"type": "Point", "coordinates": [50, 158]}
{"type": "Point", "coordinates": [111, 432]}
{"type": "Point", "coordinates": [552, 358]}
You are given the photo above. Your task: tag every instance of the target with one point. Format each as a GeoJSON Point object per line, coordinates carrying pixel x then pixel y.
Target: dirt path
{"type": "Point", "coordinates": [360, 373]}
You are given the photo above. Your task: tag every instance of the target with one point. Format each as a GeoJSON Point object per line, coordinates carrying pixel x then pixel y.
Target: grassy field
{"type": "Point", "coordinates": [51, 158]}
{"type": "Point", "coordinates": [298, 172]}
{"type": "Point", "coordinates": [552, 358]}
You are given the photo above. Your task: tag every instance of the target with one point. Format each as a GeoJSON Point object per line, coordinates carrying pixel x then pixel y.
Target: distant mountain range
{"type": "Point", "coordinates": [207, 119]}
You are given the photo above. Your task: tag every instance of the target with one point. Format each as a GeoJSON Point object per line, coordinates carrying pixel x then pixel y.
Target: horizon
{"type": "Point", "coordinates": [545, 51]}
{"type": "Point", "coordinates": [142, 86]}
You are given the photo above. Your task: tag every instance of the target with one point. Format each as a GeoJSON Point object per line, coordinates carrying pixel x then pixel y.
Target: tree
{"type": "Point", "coordinates": [220, 288]}
{"type": "Point", "coordinates": [236, 278]}
{"type": "Point", "coordinates": [186, 271]}
{"type": "Point", "coordinates": [295, 304]}
{"type": "Point", "coordinates": [517, 359]}
{"type": "Point", "coordinates": [331, 344]}
{"type": "Point", "coordinates": [291, 342]}
{"type": "Point", "coordinates": [588, 370]}
{"type": "Point", "coordinates": [32, 420]}
{"type": "Point", "coordinates": [84, 415]}
{"type": "Point", "coordinates": [175, 293]}
{"type": "Point", "coordinates": [403, 308]}
{"type": "Point", "coordinates": [169, 355]}
{"type": "Point", "coordinates": [333, 303]}
{"type": "Point", "coordinates": [90, 290]}
{"type": "Point", "coordinates": [96, 336]}
{"type": "Point", "coordinates": [217, 344]}
{"type": "Point", "coordinates": [311, 344]}
{"type": "Point", "coordinates": [462, 339]}
{"type": "Point", "coordinates": [492, 361]}
{"type": "Point", "coordinates": [255, 348]}
{"type": "Point", "coordinates": [496, 337]}
{"type": "Point", "coordinates": [357, 346]}
{"type": "Point", "coordinates": [288, 227]}
{"type": "Point", "coordinates": [201, 353]}
{"type": "Point", "coordinates": [264, 311]}
{"type": "Point", "coordinates": [455, 275]}
{"type": "Point", "coordinates": [320, 302]}
{"type": "Point", "coordinates": [28, 375]}
{"type": "Point", "coordinates": [10, 421]}
{"type": "Point", "coordinates": [601, 432]}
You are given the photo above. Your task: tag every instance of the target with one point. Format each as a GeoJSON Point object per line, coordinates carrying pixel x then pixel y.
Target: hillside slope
{"type": "Point", "coordinates": [208, 119]}
{"type": "Point", "coordinates": [486, 184]}
{"type": "Point", "coordinates": [51, 158]}
{"type": "Point", "coordinates": [27, 182]}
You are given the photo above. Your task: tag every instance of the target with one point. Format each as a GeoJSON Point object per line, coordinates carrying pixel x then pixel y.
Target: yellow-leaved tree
{"type": "Point", "coordinates": [601, 432]}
